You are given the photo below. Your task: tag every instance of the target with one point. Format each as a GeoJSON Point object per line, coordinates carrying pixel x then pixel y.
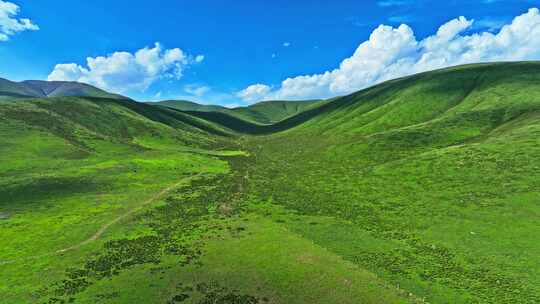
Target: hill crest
{"type": "Point", "coordinates": [44, 89]}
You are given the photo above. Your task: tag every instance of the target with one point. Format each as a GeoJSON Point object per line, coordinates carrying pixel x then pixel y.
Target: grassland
{"type": "Point", "coordinates": [422, 189]}
{"type": "Point", "coordinates": [65, 177]}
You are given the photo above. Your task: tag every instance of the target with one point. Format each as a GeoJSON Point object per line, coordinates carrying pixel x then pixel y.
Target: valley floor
{"type": "Point", "coordinates": [265, 227]}
{"type": "Point", "coordinates": [202, 240]}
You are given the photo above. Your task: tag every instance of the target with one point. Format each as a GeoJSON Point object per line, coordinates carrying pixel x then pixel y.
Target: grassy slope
{"type": "Point", "coordinates": [70, 165]}
{"type": "Point", "coordinates": [55, 146]}
{"type": "Point", "coordinates": [434, 177]}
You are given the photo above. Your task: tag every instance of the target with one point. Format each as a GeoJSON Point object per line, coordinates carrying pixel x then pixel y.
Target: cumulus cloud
{"type": "Point", "coordinates": [254, 92]}
{"type": "Point", "coordinates": [392, 52]}
{"type": "Point", "coordinates": [10, 24]}
{"type": "Point", "coordinates": [123, 71]}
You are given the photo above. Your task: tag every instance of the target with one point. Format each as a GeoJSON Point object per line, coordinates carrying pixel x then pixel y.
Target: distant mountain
{"type": "Point", "coordinates": [42, 89]}
{"type": "Point", "coordinates": [185, 105]}
{"type": "Point", "coordinates": [266, 112]}
{"type": "Point", "coordinates": [269, 112]}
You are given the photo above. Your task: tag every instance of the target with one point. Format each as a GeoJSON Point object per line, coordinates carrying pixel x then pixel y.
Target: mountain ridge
{"type": "Point", "coordinates": [44, 89]}
{"type": "Point", "coordinates": [266, 112]}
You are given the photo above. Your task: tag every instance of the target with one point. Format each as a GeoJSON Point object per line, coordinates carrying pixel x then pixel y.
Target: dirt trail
{"type": "Point", "coordinates": [103, 228]}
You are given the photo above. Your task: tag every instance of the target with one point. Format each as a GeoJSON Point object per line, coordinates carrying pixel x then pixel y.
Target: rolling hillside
{"type": "Point", "coordinates": [93, 188]}
{"type": "Point", "coordinates": [423, 189]}
{"type": "Point", "coordinates": [185, 105]}
{"type": "Point", "coordinates": [76, 119]}
{"type": "Point", "coordinates": [41, 89]}
{"type": "Point", "coordinates": [418, 176]}
{"type": "Point", "coordinates": [427, 167]}
{"type": "Point", "coordinates": [262, 113]}
{"type": "Point", "coordinates": [70, 167]}
{"type": "Point", "coordinates": [491, 93]}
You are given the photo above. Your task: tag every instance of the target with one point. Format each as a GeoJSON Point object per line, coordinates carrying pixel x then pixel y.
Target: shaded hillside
{"type": "Point", "coordinates": [486, 94]}
{"type": "Point", "coordinates": [508, 89]}
{"type": "Point", "coordinates": [41, 89]}
{"type": "Point", "coordinates": [83, 120]}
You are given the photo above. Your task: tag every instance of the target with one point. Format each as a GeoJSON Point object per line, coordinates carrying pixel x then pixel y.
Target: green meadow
{"type": "Point", "coordinates": [424, 189]}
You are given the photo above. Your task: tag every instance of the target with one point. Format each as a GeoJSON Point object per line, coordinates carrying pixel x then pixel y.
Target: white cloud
{"type": "Point", "coordinates": [123, 71]}
{"type": "Point", "coordinates": [254, 92]}
{"type": "Point", "coordinates": [286, 44]}
{"type": "Point", "coordinates": [9, 24]}
{"type": "Point", "coordinates": [395, 52]}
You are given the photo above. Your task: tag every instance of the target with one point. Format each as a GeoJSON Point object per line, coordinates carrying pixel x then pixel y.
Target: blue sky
{"type": "Point", "coordinates": [239, 52]}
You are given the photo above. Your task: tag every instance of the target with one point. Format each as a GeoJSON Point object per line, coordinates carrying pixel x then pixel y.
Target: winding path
{"type": "Point", "coordinates": [103, 228]}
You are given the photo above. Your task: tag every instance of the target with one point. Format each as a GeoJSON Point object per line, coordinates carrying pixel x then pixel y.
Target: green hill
{"type": "Point", "coordinates": [434, 97]}
{"type": "Point", "coordinates": [78, 119]}
{"type": "Point", "coordinates": [185, 105]}
{"type": "Point", "coordinates": [262, 113]}
{"type": "Point", "coordinates": [92, 188]}
{"type": "Point", "coordinates": [41, 89]}
{"type": "Point", "coordinates": [419, 176]}
{"type": "Point", "coordinates": [269, 112]}
{"type": "Point", "coordinates": [419, 189]}
{"type": "Point", "coordinates": [419, 173]}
